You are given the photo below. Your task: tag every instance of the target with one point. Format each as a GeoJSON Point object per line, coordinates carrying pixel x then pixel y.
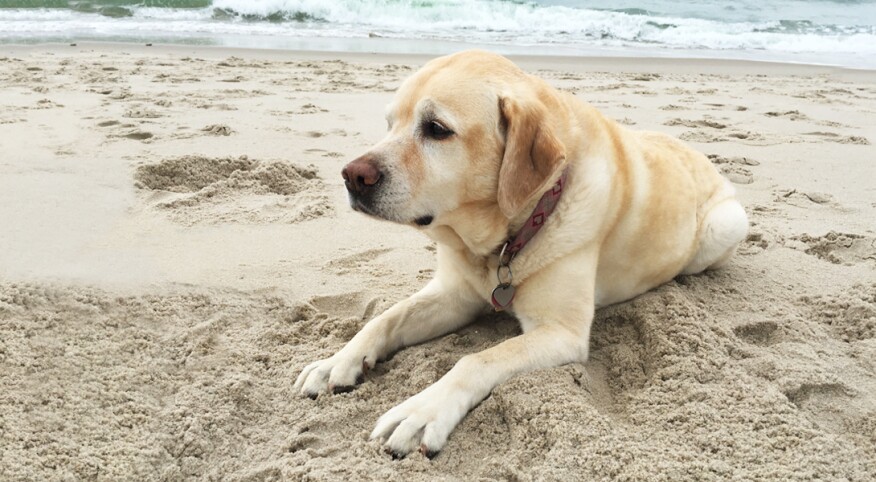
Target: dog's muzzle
{"type": "Point", "coordinates": [362, 177]}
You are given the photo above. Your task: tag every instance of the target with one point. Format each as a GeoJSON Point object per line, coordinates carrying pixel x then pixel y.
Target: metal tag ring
{"type": "Point", "coordinates": [502, 260]}
{"type": "Point", "coordinates": [499, 275]}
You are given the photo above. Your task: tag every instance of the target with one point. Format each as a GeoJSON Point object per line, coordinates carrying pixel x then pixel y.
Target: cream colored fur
{"type": "Point", "coordinates": [639, 209]}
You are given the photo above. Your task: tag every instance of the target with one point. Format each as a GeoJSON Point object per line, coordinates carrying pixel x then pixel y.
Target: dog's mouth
{"type": "Point", "coordinates": [358, 204]}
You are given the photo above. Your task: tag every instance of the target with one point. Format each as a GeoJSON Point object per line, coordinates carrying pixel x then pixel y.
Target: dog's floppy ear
{"type": "Point", "coordinates": [533, 155]}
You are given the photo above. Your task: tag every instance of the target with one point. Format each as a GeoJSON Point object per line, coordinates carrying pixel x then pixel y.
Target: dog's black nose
{"type": "Point", "coordinates": [361, 175]}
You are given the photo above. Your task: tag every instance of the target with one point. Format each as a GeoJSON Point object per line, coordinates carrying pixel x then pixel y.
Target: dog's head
{"type": "Point", "coordinates": [468, 132]}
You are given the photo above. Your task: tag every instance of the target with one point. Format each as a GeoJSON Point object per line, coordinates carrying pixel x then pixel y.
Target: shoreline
{"type": "Point", "coordinates": [414, 50]}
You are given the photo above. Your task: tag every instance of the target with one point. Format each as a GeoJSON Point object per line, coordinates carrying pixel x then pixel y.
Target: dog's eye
{"type": "Point", "coordinates": [436, 130]}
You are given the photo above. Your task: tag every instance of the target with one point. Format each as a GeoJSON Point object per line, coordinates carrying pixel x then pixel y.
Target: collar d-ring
{"type": "Point", "coordinates": [506, 265]}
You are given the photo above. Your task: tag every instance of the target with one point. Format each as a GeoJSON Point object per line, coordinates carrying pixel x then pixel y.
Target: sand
{"type": "Point", "coordinates": [175, 246]}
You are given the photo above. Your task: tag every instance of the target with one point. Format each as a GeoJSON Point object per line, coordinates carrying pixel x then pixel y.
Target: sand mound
{"type": "Point", "coordinates": [217, 190]}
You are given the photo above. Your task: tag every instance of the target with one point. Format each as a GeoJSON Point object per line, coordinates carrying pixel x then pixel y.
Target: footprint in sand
{"type": "Point", "coordinates": [645, 77]}
{"type": "Point", "coordinates": [361, 261]}
{"type": "Point", "coordinates": [805, 199]}
{"type": "Point", "coordinates": [237, 62]}
{"type": "Point", "coordinates": [324, 153]}
{"type": "Point", "coordinates": [142, 113]}
{"type": "Point", "coordinates": [615, 86]}
{"type": "Point", "coordinates": [137, 135]}
{"type": "Point", "coordinates": [738, 108]}
{"type": "Point", "coordinates": [827, 123]}
{"type": "Point", "coordinates": [837, 248]}
{"type": "Point", "coordinates": [127, 131]}
{"type": "Point", "coordinates": [174, 80]}
{"type": "Point", "coordinates": [47, 104]}
{"type": "Point", "coordinates": [218, 130]}
{"type": "Point", "coordinates": [695, 123]}
{"type": "Point", "coordinates": [793, 115]}
{"type": "Point", "coordinates": [737, 160]}
{"type": "Point", "coordinates": [824, 136]}
{"type": "Point", "coordinates": [763, 210]}
{"type": "Point", "coordinates": [850, 314]}
{"type": "Point", "coordinates": [114, 93]}
{"type": "Point", "coordinates": [303, 440]}
{"type": "Point", "coordinates": [204, 190]}
{"type": "Point", "coordinates": [732, 168]}
{"type": "Point", "coordinates": [828, 96]}
{"type": "Point", "coordinates": [742, 137]}
{"type": "Point", "coordinates": [205, 104]}
{"type": "Point", "coordinates": [736, 174]}
{"type": "Point", "coordinates": [309, 109]}
{"type": "Point", "coordinates": [756, 242]}
{"type": "Point", "coordinates": [817, 393]}
{"type": "Point", "coordinates": [759, 333]}
{"type": "Point", "coordinates": [219, 106]}
{"type": "Point", "coordinates": [334, 132]}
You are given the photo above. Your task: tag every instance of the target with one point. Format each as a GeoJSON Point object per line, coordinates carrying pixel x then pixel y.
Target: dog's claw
{"type": "Point", "coordinates": [343, 388]}
{"type": "Point", "coordinates": [311, 396]}
{"type": "Point", "coordinates": [430, 454]}
{"type": "Point", "coordinates": [395, 455]}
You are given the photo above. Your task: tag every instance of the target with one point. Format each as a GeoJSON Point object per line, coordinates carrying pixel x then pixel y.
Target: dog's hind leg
{"type": "Point", "coordinates": [723, 228]}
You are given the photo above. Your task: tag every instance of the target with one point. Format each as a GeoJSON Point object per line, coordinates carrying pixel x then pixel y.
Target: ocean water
{"type": "Point", "coordinates": [838, 32]}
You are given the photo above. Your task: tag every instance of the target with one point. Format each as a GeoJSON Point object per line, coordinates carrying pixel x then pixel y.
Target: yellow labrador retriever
{"type": "Point", "coordinates": [539, 205]}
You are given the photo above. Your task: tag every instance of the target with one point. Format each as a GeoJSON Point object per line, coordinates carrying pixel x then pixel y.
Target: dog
{"type": "Point", "coordinates": [479, 155]}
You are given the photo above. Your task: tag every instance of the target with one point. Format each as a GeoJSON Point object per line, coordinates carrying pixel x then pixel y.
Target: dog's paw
{"type": "Point", "coordinates": [423, 422]}
{"type": "Point", "coordinates": [338, 374]}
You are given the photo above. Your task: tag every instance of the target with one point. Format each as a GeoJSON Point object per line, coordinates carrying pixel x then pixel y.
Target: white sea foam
{"type": "Point", "coordinates": [479, 21]}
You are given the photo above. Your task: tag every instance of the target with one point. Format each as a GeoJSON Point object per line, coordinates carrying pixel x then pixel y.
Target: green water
{"type": "Point", "coordinates": [98, 5]}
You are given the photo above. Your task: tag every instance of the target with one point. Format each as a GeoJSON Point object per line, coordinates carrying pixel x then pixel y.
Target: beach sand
{"type": "Point", "coordinates": [175, 245]}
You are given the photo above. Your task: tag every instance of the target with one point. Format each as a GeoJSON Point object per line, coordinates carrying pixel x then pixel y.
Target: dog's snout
{"type": "Point", "coordinates": [361, 175]}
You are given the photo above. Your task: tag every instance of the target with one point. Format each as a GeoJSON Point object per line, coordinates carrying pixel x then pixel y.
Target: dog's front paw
{"type": "Point", "coordinates": [338, 374]}
{"type": "Point", "coordinates": [423, 422]}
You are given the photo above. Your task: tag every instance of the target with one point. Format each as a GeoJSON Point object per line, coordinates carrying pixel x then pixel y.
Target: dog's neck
{"type": "Point", "coordinates": [480, 229]}
{"type": "Point", "coordinates": [474, 229]}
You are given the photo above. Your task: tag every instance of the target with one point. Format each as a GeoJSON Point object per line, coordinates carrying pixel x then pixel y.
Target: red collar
{"type": "Point", "coordinates": [503, 294]}
{"type": "Point", "coordinates": [536, 220]}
